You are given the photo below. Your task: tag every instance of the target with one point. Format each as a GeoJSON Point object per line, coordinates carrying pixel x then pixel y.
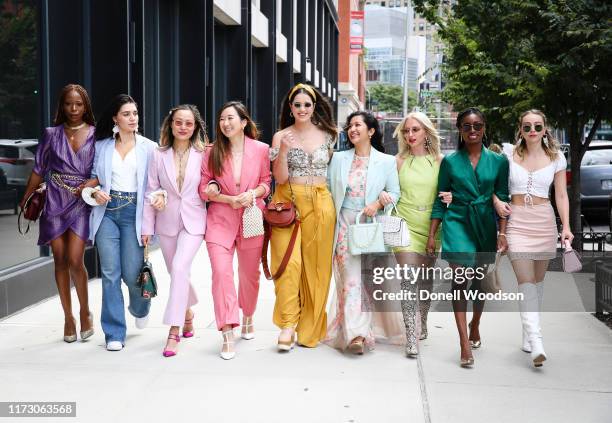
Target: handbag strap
{"type": "Point", "coordinates": [19, 224]}
{"type": "Point", "coordinates": [286, 257]}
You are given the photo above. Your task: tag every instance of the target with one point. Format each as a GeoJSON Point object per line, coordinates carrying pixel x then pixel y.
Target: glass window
{"type": "Point", "coordinates": [597, 157]}
{"type": "Point", "coordinates": [19, 119]}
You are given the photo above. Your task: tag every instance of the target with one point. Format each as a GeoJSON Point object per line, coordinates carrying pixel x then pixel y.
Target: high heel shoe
{"type": "Point", "coordinates": [356, 346]}
{"type": "Point", "coordinates": [474, 344]}
{"type": "Point", "coordinates": [89, 332]}
{"type": "Point", "coordinates": [288, 345]}
{"type": "Point", "coordinates": [245, 333]}
{"type": "Point", "coordinates": [188, 333]}
{"type": "Point", "coordinates": [228, 339]}
{"type": "Point", "coordinates": [70, 338]}
{"type": "Point", "coordinates": [466, 362]}
{"type": "Point", "coordinates": [171, 353]}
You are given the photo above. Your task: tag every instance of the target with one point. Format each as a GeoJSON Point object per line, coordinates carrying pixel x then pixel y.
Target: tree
{"type": "Point", "coordinates": [388, 98]}
{"type": "Point", "coordinates": [507, 56]}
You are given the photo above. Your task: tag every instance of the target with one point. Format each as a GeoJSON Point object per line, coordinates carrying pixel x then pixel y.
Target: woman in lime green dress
{"type": "Point", "coordinates": [418, 163]}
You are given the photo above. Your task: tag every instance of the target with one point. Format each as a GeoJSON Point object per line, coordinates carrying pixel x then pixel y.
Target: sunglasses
{"type": "Point", "coordinates": [466, 127]}
{"type": "Point", "coordinates": [299, 105]}
{"type": "Point", "coordinates": [537, 127]}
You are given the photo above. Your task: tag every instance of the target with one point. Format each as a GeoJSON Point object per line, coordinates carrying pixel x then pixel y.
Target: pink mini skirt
{"type": "Point", "coordinates": [532, 232]}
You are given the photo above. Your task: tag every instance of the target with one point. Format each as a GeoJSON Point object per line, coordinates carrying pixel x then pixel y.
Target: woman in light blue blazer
{"type": "Point", "coordinates": [120, 165]}
{"type": "Point", "coordinates": [356, 177]}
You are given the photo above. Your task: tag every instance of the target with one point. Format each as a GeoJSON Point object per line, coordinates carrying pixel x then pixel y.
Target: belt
{"type": "Point", "coordinates": [59, 178]}
{"type": "Point", "coordinates": [128, 197]}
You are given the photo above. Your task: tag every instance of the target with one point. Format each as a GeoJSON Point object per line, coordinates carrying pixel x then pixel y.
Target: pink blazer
{"type": "Point", "coordinates": [185, 206]}
{"type": "Point", "coordinates": [224, 224]}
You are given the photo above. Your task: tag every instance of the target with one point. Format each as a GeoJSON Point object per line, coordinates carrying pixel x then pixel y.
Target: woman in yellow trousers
{"type": "Point", "coordinates": [300, 154]}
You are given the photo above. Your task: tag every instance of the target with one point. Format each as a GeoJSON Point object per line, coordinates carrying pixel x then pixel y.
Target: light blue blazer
{"type": "Point", "coordinates": [381, 176]}
{"type": "Point", "coordinates": [103, 170]}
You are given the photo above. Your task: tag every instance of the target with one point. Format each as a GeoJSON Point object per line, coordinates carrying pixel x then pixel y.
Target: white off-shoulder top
{"type": "Point", "coordinates": [537, 182]}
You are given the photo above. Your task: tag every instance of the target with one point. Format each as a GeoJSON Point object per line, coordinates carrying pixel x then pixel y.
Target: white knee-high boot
{"type": "Point", "coordinates": [526, 345]}
{"type": "Point", "coordinates": [530, 318]}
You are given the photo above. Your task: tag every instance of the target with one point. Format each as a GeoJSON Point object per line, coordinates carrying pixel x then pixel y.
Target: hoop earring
{"type": "Point", "coordinates": [291, 114]}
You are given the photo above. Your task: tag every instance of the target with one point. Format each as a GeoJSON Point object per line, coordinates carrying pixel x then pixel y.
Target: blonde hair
{"type": "Point", "coordinates": [551, 148]}
{"type": "Point", "coordinates": [434, 138]}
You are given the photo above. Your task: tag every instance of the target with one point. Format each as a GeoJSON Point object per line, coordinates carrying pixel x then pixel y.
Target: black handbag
{"type": "Point", "coordinates": [146, 278]}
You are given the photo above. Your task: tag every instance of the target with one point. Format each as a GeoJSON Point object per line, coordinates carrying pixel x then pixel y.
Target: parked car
{"type": "Point", "coordinates": [595, 177]}
{"type": "Point", "coordinates": [17, 160]}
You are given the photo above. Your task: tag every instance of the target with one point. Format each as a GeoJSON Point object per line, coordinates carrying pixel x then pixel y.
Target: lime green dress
{"type": "Point", "coordinates": [418, 178]}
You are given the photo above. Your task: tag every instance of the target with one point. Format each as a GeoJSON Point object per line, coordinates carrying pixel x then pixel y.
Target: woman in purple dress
{"type": "Point", "coordinates": [64, 160]}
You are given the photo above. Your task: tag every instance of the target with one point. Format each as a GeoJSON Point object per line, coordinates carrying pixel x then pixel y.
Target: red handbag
{"type": "Point", "coordinates": [33, 207]}
{"type": "Point", "coordinates": [279, 214]}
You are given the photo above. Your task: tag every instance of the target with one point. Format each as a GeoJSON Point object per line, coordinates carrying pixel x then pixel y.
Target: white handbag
{"type": "Point", "coordinates": [365, 238]}
{"type": "Point", "coordinates": [252, 220]}
{"type": "Point", "coordinates": [395, 229]}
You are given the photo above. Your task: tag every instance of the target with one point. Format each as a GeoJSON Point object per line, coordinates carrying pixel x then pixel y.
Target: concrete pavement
{"type": "Point", "coordinates": [322, 385]}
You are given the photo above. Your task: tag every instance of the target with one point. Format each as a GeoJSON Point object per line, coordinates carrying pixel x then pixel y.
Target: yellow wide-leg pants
{"type": "Point", "coordinates": [302, 289]}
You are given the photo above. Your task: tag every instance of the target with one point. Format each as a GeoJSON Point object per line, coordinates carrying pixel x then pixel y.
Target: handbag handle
{"type": "Point", "coordinates": [391, 210]}
{"type": "Point", "coordinates": [367, 244]}
{"type": "Point", "coordinates": [358, 218]}
{"type": "Point", "coordinates": [567, 245]}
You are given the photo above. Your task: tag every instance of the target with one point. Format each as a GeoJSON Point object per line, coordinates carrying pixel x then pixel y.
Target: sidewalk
{"type": "Point", "coordinates": [321, 385]}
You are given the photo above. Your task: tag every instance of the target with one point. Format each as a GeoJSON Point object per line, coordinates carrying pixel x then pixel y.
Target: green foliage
{"type": "Point", "coordinates": [389, 98]}
{"type": "Point", "coordinates": [508, 56]}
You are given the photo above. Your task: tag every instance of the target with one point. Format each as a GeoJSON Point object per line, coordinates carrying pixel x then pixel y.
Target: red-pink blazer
{"type": "Point", "coordinates": [224, 224]}
{"type": "Point", "coordinates": [184, 206]}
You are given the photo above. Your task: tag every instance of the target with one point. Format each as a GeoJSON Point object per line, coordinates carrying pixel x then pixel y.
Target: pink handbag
{"type": "Point", "coordinates": [571, 259]}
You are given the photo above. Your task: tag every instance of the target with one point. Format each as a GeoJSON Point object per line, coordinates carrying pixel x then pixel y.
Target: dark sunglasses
{"type": "Point", "coordinates": [299, 105]}
{"type": "Point", "coordinates": [466, 127]}
{"type": "Point", "coordinates": [538, 128]}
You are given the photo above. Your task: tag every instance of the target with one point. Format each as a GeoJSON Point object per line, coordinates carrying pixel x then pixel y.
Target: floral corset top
{"type": "Point", "coordinates": [302, 163]}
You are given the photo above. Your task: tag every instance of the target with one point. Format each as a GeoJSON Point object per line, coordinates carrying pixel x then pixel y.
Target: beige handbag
{"type": "Point", "coordinates": [491, 283]}
{"type": "Point", "coordinates": [252, 220]}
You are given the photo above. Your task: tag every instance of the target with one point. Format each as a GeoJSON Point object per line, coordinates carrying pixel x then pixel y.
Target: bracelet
{"type": "Point", "coordinates": [501, 234]}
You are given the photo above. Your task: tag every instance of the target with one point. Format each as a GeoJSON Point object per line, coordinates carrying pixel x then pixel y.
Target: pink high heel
{"type": "Point", "coordinates": [187, 333]}
{"type": "Point", "coordinates": [170, 353]}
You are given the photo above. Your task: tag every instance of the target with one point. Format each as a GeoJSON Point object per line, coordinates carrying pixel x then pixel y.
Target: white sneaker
{"type": "Point", "coordinates": [114, 346]}
{"type": "Point", "coordinates": [142, 322]}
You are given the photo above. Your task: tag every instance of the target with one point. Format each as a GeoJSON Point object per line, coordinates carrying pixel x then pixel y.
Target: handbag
{"type": "Point", "coordinates": [279, 214]}
{"type": "Point", "coordinates": [252, 220]}
{"type": "Point", "coordinates": [366, 238]}
{"type": "Point", "coordinates": [146, 279]}
{"type": "Point", "coordinates": [395, 229]}
{"type": "Point", "coordinates": [571, 259]}
{"type": "Point", "coordinates": [32, 207]}
{"type": "Point", "coordinates": [491, 283]}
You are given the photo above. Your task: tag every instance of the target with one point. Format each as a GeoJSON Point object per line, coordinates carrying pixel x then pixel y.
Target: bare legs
{"type": "Point", "coordinates": [68, 251]}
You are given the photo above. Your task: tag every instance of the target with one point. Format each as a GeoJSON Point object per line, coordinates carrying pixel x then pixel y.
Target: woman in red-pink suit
{"type": "Point", "coordinates": [235, 173]}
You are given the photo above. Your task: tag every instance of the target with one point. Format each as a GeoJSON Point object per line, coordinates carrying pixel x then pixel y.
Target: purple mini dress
{"type": "Point", "coordinates": [63, 210]}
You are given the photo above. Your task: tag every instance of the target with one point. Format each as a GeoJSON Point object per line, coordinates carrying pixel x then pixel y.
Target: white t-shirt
{"type": "Point", "coordinates": [125, 172]}
{"type": "Point", "coordinates": [522, 181]}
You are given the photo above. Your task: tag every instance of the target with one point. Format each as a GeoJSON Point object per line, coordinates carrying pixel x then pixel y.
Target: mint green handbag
{"type": "Point", "coordinates": [366, 238]}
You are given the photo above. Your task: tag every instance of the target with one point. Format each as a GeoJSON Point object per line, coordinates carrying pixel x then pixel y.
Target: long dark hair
{"type": "Point", "coordinates": [372, 123]}
{"type": "Point", "coordinates": [60, 115]}
{"type": "Point", "coordinates": [199, 139]}
{"type": "Point", "coordinates": [105, 124]}
{"type": "Point", "coordinates": [461, 116]}
{"type": "Point", "coordinates": [221, 146]}
{"type": "Point", "coordinates": [322, 114]}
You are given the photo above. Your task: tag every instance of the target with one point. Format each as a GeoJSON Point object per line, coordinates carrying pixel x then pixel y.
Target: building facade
{"type": "Point", "coordinates": [163, 53]}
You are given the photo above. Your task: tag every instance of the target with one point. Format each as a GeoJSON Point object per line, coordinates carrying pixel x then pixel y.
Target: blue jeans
{"type": "Point", "coordinates": [120, 258]}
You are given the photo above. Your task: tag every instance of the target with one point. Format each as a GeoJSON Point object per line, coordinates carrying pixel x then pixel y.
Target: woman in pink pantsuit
{"type": "Point", "coordinates": [234, 171]}
{"type": "Point", "coordinates": [174, 211]}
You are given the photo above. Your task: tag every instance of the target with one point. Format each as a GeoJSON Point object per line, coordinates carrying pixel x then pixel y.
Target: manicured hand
{"type": "Point", "coordinates": [212, 191]}
{"type": "Point", "coordinates": [446, 197]}
{"type": "Point", "coordinates": [235, 202]}
{"type": "Point", "coordinates": [287, 141]}
{"type": "Point", "coordinates": [385, 198]}
{"type": "Point", "coordinates": [502, 209]}
{"type": "Point", "coordinates": [145, 239]}
{"type": "Point", "coordinates": [371, 209]}
{"type": "Point", "coordinates": [101, 197]}
{"type": "Point", "coordinates": [566, 235]}
{"type": "Point", "coordinates": [158, 202]}
{"type": "Point", "coordinates": [502, 244]}
{"type": "Point", "coordinates": [245, 199]}
{"type": "Point", "coordinates": [430, 247]}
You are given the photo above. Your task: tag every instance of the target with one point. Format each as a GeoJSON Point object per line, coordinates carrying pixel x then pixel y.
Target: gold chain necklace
{"type": "Point", "coordinates": [74, 129]}
{"type": "Point", "coordinates": [181, 176]}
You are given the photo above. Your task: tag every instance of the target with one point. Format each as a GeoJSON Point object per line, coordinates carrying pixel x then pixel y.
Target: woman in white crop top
{"type": "Point", "coordinates": [535, 164]}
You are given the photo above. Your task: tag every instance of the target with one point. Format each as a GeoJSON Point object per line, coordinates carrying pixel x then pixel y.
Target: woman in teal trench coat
{"type": "Point", "coordinates": [473, 174]}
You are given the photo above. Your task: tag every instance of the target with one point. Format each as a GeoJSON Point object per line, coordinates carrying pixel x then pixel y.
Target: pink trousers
{"type": "Point", "coordinates": [223, 289]}
{"type": "Point", "coordinates": [179, 252]}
